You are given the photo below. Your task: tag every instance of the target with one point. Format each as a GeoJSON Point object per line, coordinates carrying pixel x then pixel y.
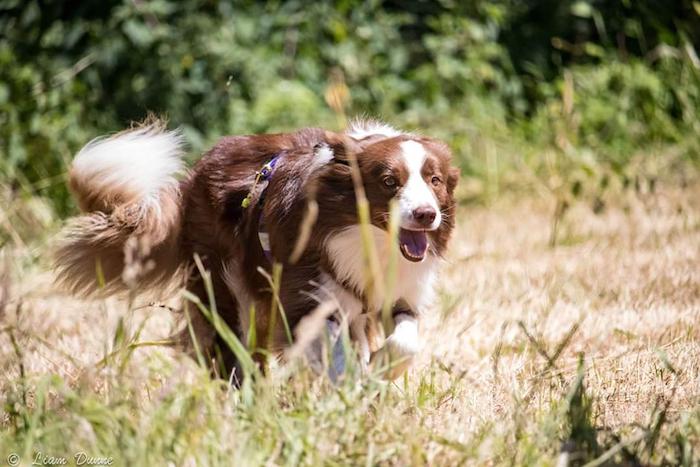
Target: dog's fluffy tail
{"type": "Point", "coordinates": [126, 186]}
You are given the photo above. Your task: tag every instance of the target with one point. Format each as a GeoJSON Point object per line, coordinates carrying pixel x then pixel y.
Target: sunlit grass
{"type": "Point", "coordinates": [586, 352]}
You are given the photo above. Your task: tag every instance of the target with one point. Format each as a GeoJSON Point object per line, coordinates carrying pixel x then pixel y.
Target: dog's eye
{"type": "Point", "coordinates": [436, 181]}
{"type": "Point", "coordinates": [390, 181]}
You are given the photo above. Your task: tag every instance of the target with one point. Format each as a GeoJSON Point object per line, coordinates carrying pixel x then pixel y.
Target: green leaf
{"type": "Point", "coordinates": [582, 9]}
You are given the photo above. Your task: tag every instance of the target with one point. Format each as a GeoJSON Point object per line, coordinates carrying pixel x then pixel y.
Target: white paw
{"type": "Point", "coordinates": [400, 348]}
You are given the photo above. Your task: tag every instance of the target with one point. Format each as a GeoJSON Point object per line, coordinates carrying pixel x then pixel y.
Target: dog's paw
{"type": "Point", "coordinates": [399, 349]}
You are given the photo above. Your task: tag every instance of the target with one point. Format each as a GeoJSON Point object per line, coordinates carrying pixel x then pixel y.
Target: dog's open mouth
{"type": "Point", "coordinates": [413, 244]}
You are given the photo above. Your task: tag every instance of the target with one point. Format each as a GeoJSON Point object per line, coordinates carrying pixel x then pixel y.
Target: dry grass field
{"type": "Point", "coordinates": [585, 352]}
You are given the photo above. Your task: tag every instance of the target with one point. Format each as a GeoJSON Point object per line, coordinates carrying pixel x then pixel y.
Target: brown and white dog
{"type": "Point", "coordinates": [135, 207]}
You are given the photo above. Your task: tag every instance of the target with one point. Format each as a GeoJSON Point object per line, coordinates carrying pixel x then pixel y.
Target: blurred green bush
{"type": "Point", "coordinates": [509, 83]}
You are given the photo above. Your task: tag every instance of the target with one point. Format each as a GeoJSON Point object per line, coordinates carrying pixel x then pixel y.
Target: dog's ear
{"type": "Point", "coordinates": [342, 146]}
{"type": "Point", "coordinates": [442, 149]}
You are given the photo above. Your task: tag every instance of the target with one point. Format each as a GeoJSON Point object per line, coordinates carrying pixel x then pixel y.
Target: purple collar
{"type": "Point", "coordinates": [263, 176]}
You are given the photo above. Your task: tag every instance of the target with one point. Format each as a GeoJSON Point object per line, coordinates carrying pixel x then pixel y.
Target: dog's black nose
{"type": "Point", "coordinates": [424, 215]}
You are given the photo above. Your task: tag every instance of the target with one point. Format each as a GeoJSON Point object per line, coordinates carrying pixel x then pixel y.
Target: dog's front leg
{"type": "Point", "coordinates": [358, 332]}
{"type": "Point", "coordinates": [402, 345]}
{"type": "Point", "coordinates": [347, 317]}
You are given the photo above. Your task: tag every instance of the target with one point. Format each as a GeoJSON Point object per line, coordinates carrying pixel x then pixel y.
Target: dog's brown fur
{"type": "Point", "coordinates": [203, 215]}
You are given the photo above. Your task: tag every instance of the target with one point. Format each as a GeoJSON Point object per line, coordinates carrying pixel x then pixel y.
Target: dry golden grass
{"type": "Point", "coordinates": [629, 279]}
{"type": "Point", "coordinates": [621, 289]}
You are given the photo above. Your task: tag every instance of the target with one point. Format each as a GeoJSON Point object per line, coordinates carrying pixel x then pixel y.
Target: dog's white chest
{"type": "Point", "coordinates": [414, 281]}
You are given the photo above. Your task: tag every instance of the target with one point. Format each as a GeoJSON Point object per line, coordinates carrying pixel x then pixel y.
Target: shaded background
{"type": "Point", "coordinates": [560, 97]}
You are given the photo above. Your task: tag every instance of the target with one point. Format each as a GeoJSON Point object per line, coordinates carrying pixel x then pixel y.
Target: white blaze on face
{"type": "Point", "coordinates": [416, 193]}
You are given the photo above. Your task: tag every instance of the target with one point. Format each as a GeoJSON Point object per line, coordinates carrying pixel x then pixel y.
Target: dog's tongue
{"type": "Point", "coordinates": [413, 244]}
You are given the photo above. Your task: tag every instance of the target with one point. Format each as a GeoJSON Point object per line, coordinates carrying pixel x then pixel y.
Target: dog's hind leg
{"type": "Point", "coordinates": [358, 332]}
{"type": "Point", "coordinates": [217, 353]}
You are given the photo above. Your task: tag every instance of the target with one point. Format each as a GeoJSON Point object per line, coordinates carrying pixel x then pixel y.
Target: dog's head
{"type": "Point", "coordinates": [416, 172]}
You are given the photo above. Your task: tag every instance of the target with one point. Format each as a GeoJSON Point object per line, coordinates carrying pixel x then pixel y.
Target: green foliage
{"type": "Point", "coordinates": [39, 128]}
{"type": "Point", "coordinates": [488, 76]}
{"type": "Point", "coordinates": [617, 108]}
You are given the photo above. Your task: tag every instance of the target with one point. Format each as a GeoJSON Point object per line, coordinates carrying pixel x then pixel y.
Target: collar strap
{"type": "Point", "coordinates": [263, 177]}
